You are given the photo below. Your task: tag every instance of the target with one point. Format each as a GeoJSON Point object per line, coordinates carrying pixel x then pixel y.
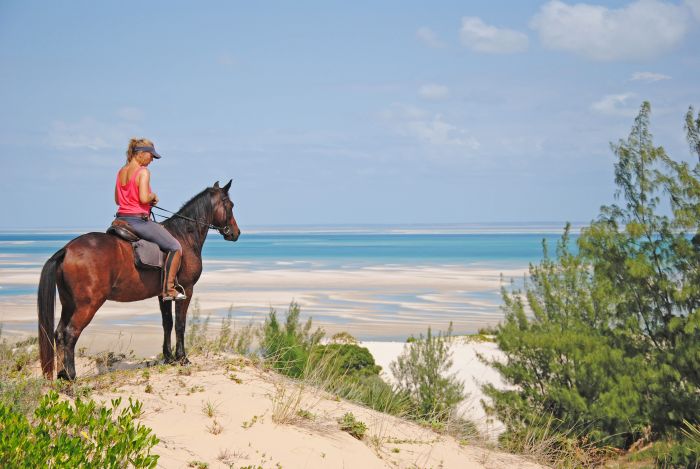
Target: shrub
{"type": "Point", "coordinates": [350, 371]}
{"type": "Point", "coordinates": [343, 338]}
{"type": "Point", "coordinates": [345, 369]}
{"type": "Point", "coordinates": [353, 426]}
{"type": "Point", "coordinates": [287, 346]}
{"type": "Point", "coordinates": [19, 389]}
{"type": "Point", "coordinates": [239, 341]}
{"type": "Point", "coordinates": [75, 435]}
{"type": "Point", "coordinates": [196, 340]}
{"type": "Point", "coordinates": [421, 371]}
{"type": "Point", "coordinates": [348, 359]}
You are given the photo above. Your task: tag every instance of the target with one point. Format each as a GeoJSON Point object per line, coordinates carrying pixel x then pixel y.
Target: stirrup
{"type": "Point", "coordinates": [179, 295]}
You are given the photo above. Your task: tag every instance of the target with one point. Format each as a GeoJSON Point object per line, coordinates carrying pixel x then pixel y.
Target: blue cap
{"type": "Point", "coordinates": [150, 150]}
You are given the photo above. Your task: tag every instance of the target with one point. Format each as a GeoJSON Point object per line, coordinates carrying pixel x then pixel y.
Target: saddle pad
{"type": "Point", "coordinates": [148, 255]}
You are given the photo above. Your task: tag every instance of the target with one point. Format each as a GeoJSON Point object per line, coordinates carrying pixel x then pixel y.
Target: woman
{"type": "Point", "coordinates": [133, 195]}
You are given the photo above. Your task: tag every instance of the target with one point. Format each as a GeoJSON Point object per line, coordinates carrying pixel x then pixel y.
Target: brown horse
{"type": "Point", "coordinates": [96, 267]}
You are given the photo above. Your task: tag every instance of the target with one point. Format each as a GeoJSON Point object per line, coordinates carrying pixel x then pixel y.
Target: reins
{"type": "Point", "coordinates": [224, 230]}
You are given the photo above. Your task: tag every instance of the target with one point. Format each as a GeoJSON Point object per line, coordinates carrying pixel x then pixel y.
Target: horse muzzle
{"type": "Point", "coordinates": [229, 233]}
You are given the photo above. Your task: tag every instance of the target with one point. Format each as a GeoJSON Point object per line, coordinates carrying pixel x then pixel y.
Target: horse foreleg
{"type": "Point", "coordinates": [166, 311]}
{"type": "Point", "coordinates": [180, 321]}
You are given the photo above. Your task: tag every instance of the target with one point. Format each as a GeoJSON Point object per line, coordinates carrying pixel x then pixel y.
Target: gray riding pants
{"type": "Point", "coordinates": [154, 232]}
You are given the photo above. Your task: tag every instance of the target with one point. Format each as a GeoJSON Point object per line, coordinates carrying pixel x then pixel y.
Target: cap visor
{"type": "Point", "coordinates": [155, 155]}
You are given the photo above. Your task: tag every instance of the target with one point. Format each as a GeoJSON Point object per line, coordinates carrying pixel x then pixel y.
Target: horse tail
{"type": "Point", "coordinates": [46, 303]}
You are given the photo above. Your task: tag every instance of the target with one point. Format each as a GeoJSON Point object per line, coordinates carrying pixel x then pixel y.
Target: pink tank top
{"type": "Point", "coordinates": [128, 196]}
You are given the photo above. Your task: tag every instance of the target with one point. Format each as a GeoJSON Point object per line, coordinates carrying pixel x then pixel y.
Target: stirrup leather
{"type": "Point", "coordinates": [171, 289]}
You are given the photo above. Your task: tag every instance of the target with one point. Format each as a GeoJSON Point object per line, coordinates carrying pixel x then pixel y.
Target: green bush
{"type": "Point", "coordinates": [287, 346]}
{"type": "Point", "coordinates": [197, 339]}
{"type": "Point", "coordinates": [376, 394]}
{"type": "Point", "coordinates": [82, 434]}
{"type": "Point", "coordinates": [348, 359]}
{"type": "Point", "coordinates": [353, 426]}
{"type": "Point", "coordinates": [421, 372]}
{"type": "Point", "coordinates": [239, 341]}
{"type": "Point", "coordinates": [342, 368]}
{"type": "Point", "coordinates": [20, 390]}
{"type": "Point", "coordinates": [349, 371]}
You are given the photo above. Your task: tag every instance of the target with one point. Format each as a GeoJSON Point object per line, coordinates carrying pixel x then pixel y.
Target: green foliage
{"type": "Point", "coordinates": [75, 435]}
{"type": "Point", "coordinates": [349, 359]}
{"type": "Point", "coordinates": [353, 426]}
{"type": "Point", "coordinates": [349, 371]}
{"type": "Point", "coordinates": [239, 341]}
{"type": "Point", "coordinates": [421, 371]}
{"type": "Point", "coordinates": [287, 346]}
{"type": "Point", "coordinates": [20, 390]}
{"type": "Point", "coordinates": [343, 338]}
{"type": "Point", "coordinates": [196, 337]}
{"type": "Point", "coordinates": [606, 340]}
{"type": "Point", "coordinates": [686, 451]}
{"type": "Point", "coordinates": [679, 452]}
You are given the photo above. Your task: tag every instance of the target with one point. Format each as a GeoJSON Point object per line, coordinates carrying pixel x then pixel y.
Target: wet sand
{"type": "Point", "coordinates": [373, 303]}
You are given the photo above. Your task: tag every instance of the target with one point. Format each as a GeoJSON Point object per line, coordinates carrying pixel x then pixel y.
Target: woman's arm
{"type": "Point", "coordinates": [116, 198]}
{"type": "Point", "coordinates": [145, 195]}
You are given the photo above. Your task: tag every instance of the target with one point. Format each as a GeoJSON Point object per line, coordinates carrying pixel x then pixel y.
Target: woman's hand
{"type": "Point", "coordinates": [154, 199]}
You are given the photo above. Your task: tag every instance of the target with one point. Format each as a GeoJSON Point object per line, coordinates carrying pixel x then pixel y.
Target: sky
{"type": "Point", "coordinates": [323, 113]}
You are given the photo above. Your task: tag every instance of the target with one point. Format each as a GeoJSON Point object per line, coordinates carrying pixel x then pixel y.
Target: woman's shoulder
{"type": "Point", "coordinates": [141, 173]}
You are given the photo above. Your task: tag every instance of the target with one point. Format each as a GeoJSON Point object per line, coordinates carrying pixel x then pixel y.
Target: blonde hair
{"type": "Point", "coordinates": [136, 142]}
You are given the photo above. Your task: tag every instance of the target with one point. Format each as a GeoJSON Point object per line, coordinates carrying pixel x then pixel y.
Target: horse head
{"type": "Point", "coordinates": [223, 212]}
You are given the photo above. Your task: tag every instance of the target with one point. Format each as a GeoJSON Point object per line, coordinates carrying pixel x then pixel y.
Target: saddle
{"type": "Point", "coordinates": [147, 255]}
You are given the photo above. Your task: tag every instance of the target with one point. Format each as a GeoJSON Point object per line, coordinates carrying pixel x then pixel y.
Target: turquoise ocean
{"type": "Point", "coordinates": [306, 249]}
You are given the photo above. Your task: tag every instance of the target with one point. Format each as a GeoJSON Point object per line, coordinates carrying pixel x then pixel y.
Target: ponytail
{"type": "Point", "coordinates": [133, 143]}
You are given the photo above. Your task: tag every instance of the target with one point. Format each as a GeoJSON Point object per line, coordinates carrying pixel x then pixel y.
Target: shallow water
{"type": "Point", "coordinates": [377, 285]}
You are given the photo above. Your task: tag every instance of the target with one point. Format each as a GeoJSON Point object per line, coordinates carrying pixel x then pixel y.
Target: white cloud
{"type": "Point", "coordinates": [428, 128]}
{"type": "Point", "coordinates": [641, 30]}
{"type": "Point", "coordinates": [615, 105]}
{"type": "Point", "coordinates": [481, 37]}
{"type": "Point", "coordinates": [89, 133]}
{"type": "Point", "coordinates": [649, 77]}
{"type": "Point", "coordinates": [694, 6]}
{"type": "Point", "coordinates": [226, 59]}
{"type": "Point", "coordinates": [132, 114]}
{"type": "Point", "coordinates": [428, 37]}
{"type": "Point", "coordinates": [433, 91]}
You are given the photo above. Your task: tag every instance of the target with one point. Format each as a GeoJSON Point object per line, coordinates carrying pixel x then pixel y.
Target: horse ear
{"type": "Point", "coordinates": [228, 186]}
{"type": "Point", "coordinates": [216, 184]}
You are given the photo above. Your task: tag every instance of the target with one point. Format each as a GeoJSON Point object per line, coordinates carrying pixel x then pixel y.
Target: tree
{"type": "Point", "coordinates": [650, 262]}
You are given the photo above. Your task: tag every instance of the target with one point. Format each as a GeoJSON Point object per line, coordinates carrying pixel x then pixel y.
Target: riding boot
{"type": "Point", "coordinates": [172, 265]}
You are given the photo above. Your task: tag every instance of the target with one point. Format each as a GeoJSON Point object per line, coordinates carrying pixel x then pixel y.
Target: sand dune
{"type": "Point", "coordinates": [201, 414]}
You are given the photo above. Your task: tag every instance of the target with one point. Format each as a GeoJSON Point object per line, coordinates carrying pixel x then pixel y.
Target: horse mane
{"type": "Point", "coordinates": [198, 208]}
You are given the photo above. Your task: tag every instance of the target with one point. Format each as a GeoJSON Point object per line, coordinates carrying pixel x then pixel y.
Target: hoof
{"type": "Point", "coordinates": [183, 361]}
{"type": "Point", "coordinates": [63, 374]}
{"type": "Point", "coordinates": [168, 360]}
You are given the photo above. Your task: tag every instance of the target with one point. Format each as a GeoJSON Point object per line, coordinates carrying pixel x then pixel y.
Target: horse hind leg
{"type": "Point", "coordinates": [67, 311]}
{"type": "Point", "coordinates": [71, 330]}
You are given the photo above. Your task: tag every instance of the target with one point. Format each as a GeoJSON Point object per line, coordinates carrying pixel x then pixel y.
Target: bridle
{"type": "Point", "coordinates": [224, 230]}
